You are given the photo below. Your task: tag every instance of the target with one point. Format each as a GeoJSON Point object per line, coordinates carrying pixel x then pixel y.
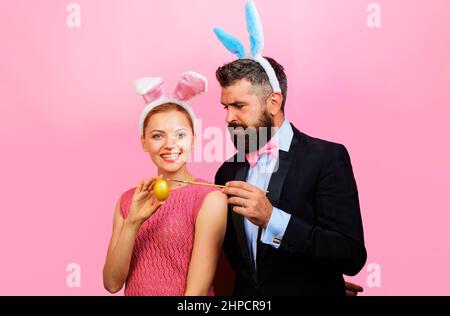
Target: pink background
{"type": "Point", "coordinates": [69, 117]}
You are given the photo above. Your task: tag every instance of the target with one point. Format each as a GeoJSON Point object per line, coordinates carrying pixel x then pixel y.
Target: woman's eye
{"type": "Point", "coordinates": [156, 136]}
{"type": "Point", "coordinates": [181, 135]}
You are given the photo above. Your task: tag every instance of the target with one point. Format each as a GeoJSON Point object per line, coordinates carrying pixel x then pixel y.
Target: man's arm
{"type": "Point", "coordinates": [338, 233]}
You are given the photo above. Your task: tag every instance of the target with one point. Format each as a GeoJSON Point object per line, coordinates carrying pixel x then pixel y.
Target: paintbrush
{"type": "Point", "coordinates": [200, 183]}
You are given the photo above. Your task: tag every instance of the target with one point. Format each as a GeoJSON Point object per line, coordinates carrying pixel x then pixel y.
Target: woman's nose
{"type": "Point", "coordinates": [170, 142]}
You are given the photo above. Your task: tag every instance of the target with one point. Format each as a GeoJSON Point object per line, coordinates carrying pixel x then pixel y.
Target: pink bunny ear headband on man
{"type": "Point", "coordinates": [189, 85]}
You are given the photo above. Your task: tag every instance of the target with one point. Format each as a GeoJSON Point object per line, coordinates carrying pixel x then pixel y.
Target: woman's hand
{"type": "Point", "coordinates": [143, 203]}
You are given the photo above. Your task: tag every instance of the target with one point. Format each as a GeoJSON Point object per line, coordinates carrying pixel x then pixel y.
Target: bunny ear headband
{"type": "Point", "coordinates": [189, 85]}
{"type": "Point", "coordinates": [255, 31]}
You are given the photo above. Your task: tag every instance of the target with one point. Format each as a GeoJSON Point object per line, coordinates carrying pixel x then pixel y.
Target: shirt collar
{"type": "Point", "coordinates": [284, 136]}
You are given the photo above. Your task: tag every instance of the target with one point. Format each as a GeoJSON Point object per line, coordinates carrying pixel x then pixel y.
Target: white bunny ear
{"type": "Point", "coordinates": [150, 88]}
{"type": "Point", "coordinates": [254, 28]}
{"type": "Point", "coordinates": [189, 85]}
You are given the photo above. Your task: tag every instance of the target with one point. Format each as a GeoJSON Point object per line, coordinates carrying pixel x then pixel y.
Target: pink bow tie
{"type": "Point", "coordinates": [271, 149]}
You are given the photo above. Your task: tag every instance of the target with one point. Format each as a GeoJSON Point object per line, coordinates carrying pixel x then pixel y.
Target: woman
{"type": "Point", "coordinates": [171, 247]}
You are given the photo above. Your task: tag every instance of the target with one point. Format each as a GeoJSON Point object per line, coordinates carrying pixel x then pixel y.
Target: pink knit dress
{"type": "Point", "coordinates": [163, 246]}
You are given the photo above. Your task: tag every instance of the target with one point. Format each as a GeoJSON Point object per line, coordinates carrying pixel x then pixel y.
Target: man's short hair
{"type": "Point", "coordinates": [249, 69]}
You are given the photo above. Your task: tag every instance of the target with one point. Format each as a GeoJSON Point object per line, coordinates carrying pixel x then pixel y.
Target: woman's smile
{"type": "Point", "coordinates": [171, 157]}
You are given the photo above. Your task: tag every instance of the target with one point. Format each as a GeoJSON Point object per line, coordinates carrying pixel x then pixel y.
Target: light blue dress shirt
{"type": "Point", "coordinates": [259, 175]}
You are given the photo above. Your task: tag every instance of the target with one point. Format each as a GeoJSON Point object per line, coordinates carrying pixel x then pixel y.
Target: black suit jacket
{"type": "Point", "coordinates": [324, 238]}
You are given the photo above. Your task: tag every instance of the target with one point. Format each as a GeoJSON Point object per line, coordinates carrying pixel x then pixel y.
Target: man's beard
{"type": "Point", "coordinates": [249, 139]}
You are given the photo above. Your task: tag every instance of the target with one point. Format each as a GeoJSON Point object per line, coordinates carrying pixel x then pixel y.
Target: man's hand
{"type": "Point", "coordinates": [250, 201]}
{"type": "Point", "coordinates": [352, 289]}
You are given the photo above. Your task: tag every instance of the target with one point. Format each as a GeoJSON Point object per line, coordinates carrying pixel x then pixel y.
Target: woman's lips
{"type": "Point", "coordinates": [170, 157]}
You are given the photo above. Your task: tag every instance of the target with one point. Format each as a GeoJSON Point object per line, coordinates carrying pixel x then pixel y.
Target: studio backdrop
{"type": "Point", "coordinates": [372, 75]}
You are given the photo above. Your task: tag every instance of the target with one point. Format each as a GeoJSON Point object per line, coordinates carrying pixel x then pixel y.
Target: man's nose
{"type": "Point", "coordinates": [231, 116]}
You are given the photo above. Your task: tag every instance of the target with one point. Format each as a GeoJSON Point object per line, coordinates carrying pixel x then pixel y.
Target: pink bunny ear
{"type": "Point", "coordinates": [150, 88]}
{"type": "Point", "coordinates": [190, 85]}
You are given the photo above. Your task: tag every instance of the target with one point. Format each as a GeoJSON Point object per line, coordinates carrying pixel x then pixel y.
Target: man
{"type": "Point", "coordinates": [301, 236]}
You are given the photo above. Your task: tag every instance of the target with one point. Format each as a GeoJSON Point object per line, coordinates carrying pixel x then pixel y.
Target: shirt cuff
{"type": "Point", "coordinates": [273, 234]}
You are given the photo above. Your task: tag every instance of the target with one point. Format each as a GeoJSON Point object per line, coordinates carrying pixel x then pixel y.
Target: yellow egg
{"type": "Point", "coordinates": [161, 190]}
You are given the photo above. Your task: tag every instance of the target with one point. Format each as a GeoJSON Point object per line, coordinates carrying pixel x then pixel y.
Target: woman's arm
{"type": "Point", "coordinates": [119, 254]}
{"type": "Point", "coordinates": [209, 233]}
{"type": "Point", "coordinates": [121, 246]}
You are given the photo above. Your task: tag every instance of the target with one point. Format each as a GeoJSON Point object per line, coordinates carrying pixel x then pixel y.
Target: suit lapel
{"type": "Point", "coordinates": [238, 220]}
{"type": "Point", "coordinates": [276, 183]}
